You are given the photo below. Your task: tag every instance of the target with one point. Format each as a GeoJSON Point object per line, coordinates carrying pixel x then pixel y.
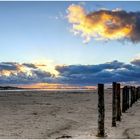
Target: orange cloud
{"type": "Point", "coordinates": [103, 24]}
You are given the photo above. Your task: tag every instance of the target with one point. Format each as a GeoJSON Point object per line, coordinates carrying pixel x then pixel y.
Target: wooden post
{"type": "Point", "coordinates": [134, 94]}
{"type": "Point", "coordinates": [101, 111]}
{"type": "Point", "coordinates": [137, 92]}
{"type": "Point", "coordinates": [114, 85]}
{"type": "Point", "coordinates": [118, 118]}
{"type": "Point", "coordinates": [127, 97]}
{"type": "Point", "coordinates": [120, 100]}
{"type": "Point", "coordinates": [123, 99]}
{"type": "Point", "coordinates": [131, 93]}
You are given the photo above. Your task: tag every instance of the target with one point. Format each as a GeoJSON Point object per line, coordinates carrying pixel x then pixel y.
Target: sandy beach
{"type": "Point", "coordinates": [48, 114]}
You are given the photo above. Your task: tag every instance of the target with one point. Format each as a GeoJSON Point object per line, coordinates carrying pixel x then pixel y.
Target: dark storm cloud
{"type": "Point", "coordinates": [93, 74]}
{"type": "Point", "coordinates": [75, 69]}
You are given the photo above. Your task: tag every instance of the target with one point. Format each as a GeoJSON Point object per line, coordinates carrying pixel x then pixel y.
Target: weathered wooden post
{"type": "Point", "coordinates": [118, 117]}
{"type": "Point", "coordinates": [131, 93]}
{"type": "Point", "coordinates": [120, 100]}
{"type": "Point", "coordinates": [114, 85]}
{"type": "Point", "coordinates": [134, 94]}
{"type": "Point", "coordinates": [137, 91]}
{"type": "Point", "coordinates": [123, 99]}
{"type": "Point", "coordinates": [127, 97]}
{"type": "Point", "coordinates": [101, 111]}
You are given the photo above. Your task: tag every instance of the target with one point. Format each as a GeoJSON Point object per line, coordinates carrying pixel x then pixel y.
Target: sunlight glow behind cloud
{"type": "Point", "coordinates": [46, 65]}
{"type": "Point", "coordinates": [104, 24]}
{"type": "Point", "coordinates": [68, 75]}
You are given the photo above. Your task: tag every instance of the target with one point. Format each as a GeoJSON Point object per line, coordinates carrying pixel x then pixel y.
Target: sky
{"type": "Point", "coordinates": [38, 43]}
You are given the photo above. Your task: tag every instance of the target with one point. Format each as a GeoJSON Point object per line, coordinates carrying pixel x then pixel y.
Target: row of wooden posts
{"type": "Point", "coordinates": [121, 101]}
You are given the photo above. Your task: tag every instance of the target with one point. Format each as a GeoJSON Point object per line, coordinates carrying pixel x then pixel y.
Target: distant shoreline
{"type": "Point", "coordinates": [51, 90]}
{"type": "Point", "coordinates": [11, 88]}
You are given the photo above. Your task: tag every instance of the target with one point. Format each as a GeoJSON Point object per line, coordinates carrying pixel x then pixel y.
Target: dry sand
{"type": "Point", "coordinates": [45, 114]}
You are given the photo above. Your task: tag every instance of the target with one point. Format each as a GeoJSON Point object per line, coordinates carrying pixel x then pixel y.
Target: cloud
{"type": "Point", "coordinates": [101, 73]}
{"type": "Point", "coordinates": [136, 61]}
{"type": "Point", "coordinates": [89, 69]}
{"type": "Point", "coordinates": [30, 73]}
{"type": "Point", "coordinates": [104, 24]}
{"type": "Point", "coordinates": [16, 73]}
{"type": "Point", "coordinates": [8, 66]}
{"type": "Point", "coordinates": [30, 65]}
